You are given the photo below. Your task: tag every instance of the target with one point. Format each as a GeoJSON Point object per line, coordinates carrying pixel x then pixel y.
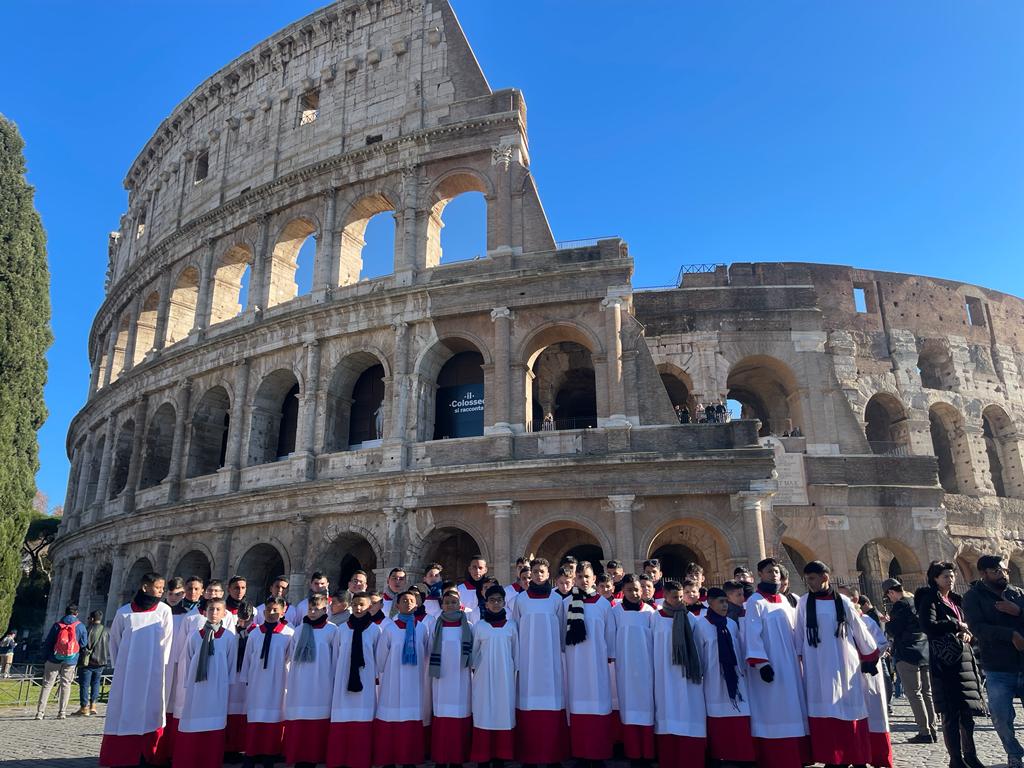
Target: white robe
{"type": "Point", "coordinates": [716, 692]}
{"type": "Point", "coordinates": [289, 615]}
{"type": "Point", "coordinates": [510, 595]}
{"type": "Point", "coordinates": [586, 663]}
{"type": "Point", "coordinates": [348, 706]}
{"type": "Point", "coordinates": [189, 625]}
{"type": "Point", "coordinates": [832, 678]}
{"type": "Point", "coordinates": [874, 685]}
{"type": "Point", "coordinates": [495, 660]}
{"type": "Point", "coordinates": [140, 645]}
{"type": "Point", "coordinates": [450, 692]}
{"type": "Point", "coordinates": [468, 598]}
{"type": "Point", "coordinates": [541, 623]}
{"type": "Point", "coordinates": [264, 700]}
{"type": "Point", "coordinates": [678, 703]}
{"type": "Point", "coordinates": [177, 644]}
{"type": "Point", "coordinates": [310, 685]}
{"type": "Point", "coordinates": [237, 692]}
{"type": "Point", "coordinates": [205, 707]}
{"type": "Point", "coordinates": [404, 693]}
{"type": "Point", "coordinates": [768, 634]}
{"type": "Point", "coordinates": [634, 670]}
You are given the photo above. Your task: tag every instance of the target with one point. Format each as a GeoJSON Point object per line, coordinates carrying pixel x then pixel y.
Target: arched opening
{"type": "Point", "coordinates": [159, 445]}
{"type": "Point", "coordinates": [798, 557]}
{"type": "Point", "coordinates": [465, 240]}
{"type": "Point", "coordinates": [207, 448]}
{"type": "Point", "coordinates": [356, 404]}
{"type": "Point", "coordinates": [766, 390]}
{"type": "Point", "coordinates": [935, 365]}
{"type": "Point", "coordinates": [678, 386]}
{"type": "Point", "coordinates": [95, 462]}
{"type": "Point", "coordinates": [275, 418]}
{"type": "Point", "coordinates": [459, 397]}
{"type": "Point", "coordinates": [120, 345]}
{"type": "Point", "coordinates": [76, 592]}
{"type": "Point", "coordinates": [194, 563]}
{"type": "Point", "coordinates": [881, 559]}
{"type": "Point", "coordinates": [133, 579]}
{"type": "Point", "coordinates": [260, 566]}
{"type": "Point", "coordinates": [368, 240]}
{"type": "Point", "coordinates": [564, 389]}
{"type": "Point", "coordinates": [101, 364]}
{"type": "Point", "coordinates": [291, 263]}
{"type": "Point", "coordinates": [122, 459]}
{"type": "Point", "coordinates": [1003, 450]}
{"type": "Point", "coordinates": [347, 554]}
{"type": "Point", "coordinates": [100, 589]}
{"type": "Point", "coordinates": [949, 443]}
{"type": "Point", "coordinates": [181, 311]}
{"type": "Point", "coordinates": [590, 553]}
{"type": "Point", "coordinates": [558, 539]}
{"type": "Point", "coordinates": [675, 559]}
{"type": "Point", "coordinates": [885, 425]}
{"type": "Point", "coordinates": [686, 541]}
{"type": "Point", "coordinates": [145, 328]}
{"type": "Point", "coordinates": [231, 284]}
{"type": "Point", "coordinates": [452, 548]}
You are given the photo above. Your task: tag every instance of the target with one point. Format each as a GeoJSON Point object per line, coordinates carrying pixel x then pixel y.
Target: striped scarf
{"type": "Point", "coordinates": [435, 647]}
{"type": "Point", "coordinates": [575, 625]}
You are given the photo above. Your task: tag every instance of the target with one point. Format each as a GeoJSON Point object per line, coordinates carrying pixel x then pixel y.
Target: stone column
{"type": "Point", "coordinates": [116, 584]}
{"type": "Point", "coordinates": [111, 346]}
{"type": "Point", "coordinates": [300, 542]}
{"type": "Point", "coordinates": [401, 395]}
{"type": "Point", "coordinates": [613, 365]}
{"type": "Point", "coordinates": [222, 556]}
{"type": "Point", "coordinates": [325, 269]}
{"type": "Point", "coordinates": [135, 463]}
{"type": "Point", "coordinates": [502, 511]}
{"type": "Point", "coordinates": [306, 439]}
{"type": "Point", "coordinates": [176, 470]}
{"type": "Point", "coordinates": [163, 309]}
{"type": "Point", "coordinates": [133, 332]}
{"type": "Point", "coordinates": [84, 473]}
{"type": "Point", "coordinates": [406, 262]}
{"type": "Point", "coordinates": [625, 546]}
{"type": "Point", "coordinates": [163, 556]}
{"type": "Point", "coordinates": [205, 299]}
{"type": "Point", "coordinates": [95, 373]}
{"type": "Point", "coordinates": [501, 397]}
{"type": "Point", "coordinates": [103, 483]}
{"type": "Point", "coordinates": [259, 285]}
{"type": "Point", "coordinates": [233, 459]}
{"type": "Point", "coordinates": [753, 524]}
{"type": "Point", "coordinates": [88, 583]}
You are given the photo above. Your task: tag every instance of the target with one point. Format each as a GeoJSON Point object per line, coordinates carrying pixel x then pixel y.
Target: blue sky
{"type": "Point", "coordinates": [883, 135]}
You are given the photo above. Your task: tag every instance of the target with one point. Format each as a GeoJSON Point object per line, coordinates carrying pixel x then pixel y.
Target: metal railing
{"type": "Point", "coordinates": [21, 689]}
{"type": "Point", "coordinates": [564, 245]}
{"type": "Point", "coordinates": [576, 422]}
{"type": "Point", "coordinates": [697, 269]}
{"type": "Point", "coordinates": [888, 448]}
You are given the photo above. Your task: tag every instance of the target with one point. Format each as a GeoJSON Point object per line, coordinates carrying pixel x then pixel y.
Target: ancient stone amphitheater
{"type": "Point", "coordinates": [236, 423]}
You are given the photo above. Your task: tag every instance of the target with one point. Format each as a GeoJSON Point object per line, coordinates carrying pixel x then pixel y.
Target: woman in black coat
{"type": "Point", "coordinates": [956, 682]}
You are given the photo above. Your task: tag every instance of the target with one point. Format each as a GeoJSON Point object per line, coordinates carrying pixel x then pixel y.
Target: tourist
{"type": "Point", "coordinates": [910, 653]}
{"type": "Point", "coordinates": [278, 588]}
{"type": "Point", "coordinates": [318, 585]}
{"type": "Point", "coordinates": [539, 613]}
{"type": "Point", "coordinates": [736, 596]}
{"type": "Point", "coordinates": [7, 646]}
{"type": "Point", "coordinates": [61, 648]}
{"type": "Point", "coordinates": [210, 663]}
{"type": "Point", "coordinates": [92, 660]}
{"type": "Point", "coordinates": [397, 584]}
{"type": "Point", "coordinates": [956, 680]}
{"type": "Point", "coordinates": [634, 671]}
{"type": "Point", "coordinates": [403, 710]}
{"type": "Point", "coordinates": [310, 685]}
{"type": "Point", "coordinates": [451, 645]}
{"type": "Point", "coordinates": [469, 589]}
{"type": "Point", "coordinates": [234, 734]}
{"type": "Point", "coordinates": [652, 568]}
{"type": "Point", "coordinates": [354, 700]}
{"type": "Point", "coordinates": [433, 582]}
{"type": "Point", "coordinates": [265, 671]}
{"type": "Point", "coordinates": [725, 684]}
{"type": "Point", "coordinates": [493, 691]}
{"type": "Point", "coordinates": [780, 732]}
{"type": "Point", "coordinates": [993, 610]}
{"type": "Point", "coordinates": [237, 587]}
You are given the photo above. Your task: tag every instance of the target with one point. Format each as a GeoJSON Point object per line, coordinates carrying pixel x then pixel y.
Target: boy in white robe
{"type": "Point", "coordinates": [679, 712]}
{"type": "Point", "coordinates": [183, 604]}
{"type": "Point", "coordinates": [691, 597]}
{"type": "Point", "coordinates": [434, 584]}
{"type": "Point", "coordinates": [541, 726]}
{"type": "Point", "coordinates": [210, 662]}
{"type": "Point", "coordinates": [278, 588]}
{"type": "Point", "coordinates": [307, 698]}
{"type": "Point", "coordinates": [725, 683]}
{"type": "Point", "coordinates": [518, 586]}
{"type": "Point", "coordinates": [354, 702]}
{"type": "Point", "coordinates": [403, 651]}
{"type": "Point", "coordinates": [264, 671]}
{"type": "Point", "coordinates": [140, 645]}
{"type": "Point", "coordinates": [473, 584]}
{"type": "Point", "coordinates": [493, 696]}
{"type": "Point", "coordinates": [318, 585]}
{"type": "Point", "coordinates": [589, 646]}
{"type": "Point", "coordinates": [780, 733]}
{"type": "Point", "coordinates": [451, 645]}
{"type": "Point", "coordinates": [397, 584]}
{"type": "Point", "coordinates": [238, 587]}
{"type": "Point", "coordinates": [874, 693]}
{"type": "Point", "coordinates": [234, 737]}
{"type": "Point", "coordinates": [476, 613]}
{"type": "Point", "coordinates": [634, 671]}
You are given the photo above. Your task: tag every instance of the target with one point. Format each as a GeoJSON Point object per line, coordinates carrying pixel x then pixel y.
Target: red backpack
{"type": "Point", "coordinates": [66, 646]}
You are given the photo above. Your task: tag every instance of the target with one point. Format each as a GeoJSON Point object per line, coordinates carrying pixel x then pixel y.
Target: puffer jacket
{"type": "Point", "coordinates": [956, 686]}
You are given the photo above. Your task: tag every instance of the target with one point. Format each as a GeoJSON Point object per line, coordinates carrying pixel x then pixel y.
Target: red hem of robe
{"type": "Point", "coordinates": [450, 739]}
{"type": "Point", "coordinates": [542, 736]}
{"type": "Point", "coordinates": [616, 727]}
{"type": "Point", "coordinates": [881, 750]}
{"type": "Point", "coordinates": [117, 751]}
{"type": "Point", "coordinates": [234, 734]}
{"type": "Point", "coordinates": [305, 741]}
{"type": "Point", "coordinates": [264, 738]}
{"type": "Point", "coordinates": [165, 746]}
{"type": "Point", "coordinates": [638, 742]}
{"type": "Point", "coordinates": [590, 736]}
{"type": "Point", "coordinates": [842, 742]}
{"type": "Point", "coordinates": [199, 749]}
{"type": "Point", "coordinates": [400, 742]}
{"type": "Point", "coordinates": [492, 745]}
{"type": "Point", "coordinates": [680, 750]}
{"type": "Point", "coordinates": [729, 739]}
{"type": "Point", "coordinates": [787, 752]}
{"type": "Point", "coordinates": [350, 744]}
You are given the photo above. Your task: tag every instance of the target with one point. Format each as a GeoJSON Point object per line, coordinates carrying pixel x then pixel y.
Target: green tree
{"type": "Point", "coordinates": [24, 338]}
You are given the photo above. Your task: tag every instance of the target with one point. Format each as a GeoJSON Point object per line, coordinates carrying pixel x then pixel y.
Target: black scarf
{"type": "Point", "coordinates": [630, 606]}
{"type": "Point", "coordinates": [243, 640]}
{"type": "Point", "coordinates": [179, 609]}
{"type": "Point", "coordinates": [539, 590]}
{"type": "Point", "coordinates": [206, 651]}
{"type": "Point", "coordinates": [768, 588]}
{"type": "Point", "coordinates": [268, 633]}
{"type": "Point", "coordinates": [575, 625]}
{"type": "Point", "coordinates": [813, 638]}
{"type": "Point", "coordinates": [493, 618]}
{"type": "Point", "coordinates": [651, 602]}
{"type": "Point", "coordinates": [357, 661]}
{"type": "Point", "coordinates": [726, 655]}
{"type": "Point", "coordinates": [233, 604]}
{"type": "Point", "coordinates": [144, 601]}
{"type": "Point", "coordinates": [694, 609]}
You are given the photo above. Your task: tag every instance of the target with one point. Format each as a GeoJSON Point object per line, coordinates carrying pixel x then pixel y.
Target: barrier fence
{"type": "Point", "coordinates": [21, 689]}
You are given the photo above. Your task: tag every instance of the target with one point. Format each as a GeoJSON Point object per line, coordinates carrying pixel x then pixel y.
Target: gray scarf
{"type": "Point", "coordinates": [206, 650]}
{"type": "Point", "coordinates": [305, 646]}
{"type": "Point", "coordinates": [435, 647]}
{"type": "Point", "coordinates": [684, 649]}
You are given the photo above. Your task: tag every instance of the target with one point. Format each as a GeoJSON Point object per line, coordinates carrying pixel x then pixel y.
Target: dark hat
{"type": "Point", "coordinates": [892, 584]}
{"type": "Point", "coordinates": [990, 561]}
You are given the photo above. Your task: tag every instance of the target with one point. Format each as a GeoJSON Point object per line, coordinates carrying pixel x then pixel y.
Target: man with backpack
{"type": "Point", "coordinates": [93, 660]}
{"type": "Point", "coordinates": [910, 652]}
{"type": "Point", "coordinates": [61, 647]}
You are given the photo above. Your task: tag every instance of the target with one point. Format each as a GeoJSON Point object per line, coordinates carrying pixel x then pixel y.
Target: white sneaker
{"type": "Point", "coordinates": [62, 716]}
{"type": "Point", "coordinates": [39, 716]}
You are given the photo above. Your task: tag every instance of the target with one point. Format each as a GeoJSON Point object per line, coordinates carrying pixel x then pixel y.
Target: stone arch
{"type": "Point", "coordinates": [950, 444]}
{"type": "Point", "coordinates": [554, 332]}
{"type": "Point", "coordinates": [195, 562]}
{"type": "Point", "coordinates": [885, 425]}
{"type": "Point", "coordinates": [935, 364]}
{"type": "Point", "coordinates": [211, 423]}
{"type": "Point", "coordinates": [711, 546]}
{"type": "Point", "coordinates": [159, 445]}
{"type": "Point", "coordinates": [95, 463]}
{"type": "Point", "coordinates": [966, 562]}
{"type": "Point", "coordinates": [348, 549]}
{"type": "Point", "coordinates": [794, 555]}
{"type": "Point", "coordinates": [229, 278]}
{"type": "Point", "coordinates": [883, 558]}
{"type": "Point", "coordinates": [559, 374]}
{"type": "Point", "coordinates": [679, 386]}
{"type": "Point", "coordinates": [181, 310]}
{"type": "Point", "coordinates": [75, 596]}
{"type": "Point", "coordinates": [121, 459]}
{"type": "Point", "coordinates": [275, 417]}
{"type": "Point", "coordinates": [120, 346]}
{"type": "Point", "coordinates": [543, 527]}
{"type": "Point", "coordinates": [451, 543]}
{"type": "Point", "coordinates": [451, 368]}
{"type": "Point", "coordinates": [768, 390]}
{"type": "Point", "coordinates": [145, 327]}
{"type": "Point", "coordinates": [284, 259]}
{"type": "Point", "coordinates": [353, 231]}
{"type": "Point", "coordinates": [447, 187]}
{"type": "Point", "coordinates": [358, 405]}
{"type": "Point", "coordinates": [1002, 447]}
{"type": "Point", "coordinates": [133, 577]}
{"type": "Point", "coordinates": [96, 600]}
{"type": "Point", "coordinates": [260, 565]}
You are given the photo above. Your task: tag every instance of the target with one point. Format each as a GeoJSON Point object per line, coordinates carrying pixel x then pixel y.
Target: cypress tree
{"type": "Point", "coordinates": [24, 338]}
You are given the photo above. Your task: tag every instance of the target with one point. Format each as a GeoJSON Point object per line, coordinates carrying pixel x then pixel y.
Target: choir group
{"type": "Point", "coordinates": [635, 666]}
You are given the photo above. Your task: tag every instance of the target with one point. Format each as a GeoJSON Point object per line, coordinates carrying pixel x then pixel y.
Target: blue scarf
{"type": "Point", "coordinates": [434, 590]}
{"type": "Point", "coordinates": [409, 643]}
{"type": "Point", "coordinates": [726, 655]}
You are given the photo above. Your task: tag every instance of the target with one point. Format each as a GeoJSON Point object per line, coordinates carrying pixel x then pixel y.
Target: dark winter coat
{"type": "Point", "coordinates": [909, 643]}
{"type": "Point", "coordinates": [994, 629]}
{"type": "Point", "coordinates": [955, 687]}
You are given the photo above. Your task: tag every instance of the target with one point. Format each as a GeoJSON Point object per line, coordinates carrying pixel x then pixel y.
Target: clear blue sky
{"type": "Point", "coordinates": [876, 134]}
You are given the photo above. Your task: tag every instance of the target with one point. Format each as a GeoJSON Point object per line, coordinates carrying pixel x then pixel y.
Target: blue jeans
{"type": "Point", "coordinates": [89, 685]}
{"type": "Point", "coordinates": [1003, 688]}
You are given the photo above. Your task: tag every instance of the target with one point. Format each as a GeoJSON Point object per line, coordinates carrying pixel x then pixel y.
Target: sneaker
{"type": "Point", "coordinates": [921, 738]}
{"type": "Point", "coordinates": [39, 716]}
{"type": "Point", "coordinates": [62, 716]}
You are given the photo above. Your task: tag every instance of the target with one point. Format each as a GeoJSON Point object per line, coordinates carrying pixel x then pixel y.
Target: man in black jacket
{"type": "Point", "coordinates": [995, 614]}
{"type": "Point", "coordinates": [910, 652]}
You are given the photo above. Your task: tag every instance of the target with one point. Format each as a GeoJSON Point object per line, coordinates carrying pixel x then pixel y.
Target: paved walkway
{"type": "Point", "coordinates": [75, 742]}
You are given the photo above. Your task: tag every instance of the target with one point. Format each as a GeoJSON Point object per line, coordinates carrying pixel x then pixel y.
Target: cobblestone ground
{"type": "Point", "coordinates": [75, 742]}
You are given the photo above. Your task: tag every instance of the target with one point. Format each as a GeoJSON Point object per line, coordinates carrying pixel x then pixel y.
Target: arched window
{"type": "Point", "coordinates": [260, 566]}
{"type": "Point", "coordinates": [122, 459]}
{"type": "Point", "coordinates": [355, 402]}
{"type": "Point", "coordinates": [949, 443]}
{"type": "Point", "coordinates": [120, 345]}
{"type": "Point", "coordinates": [207, 448]}
{"type": "Point", "coordinates": [145, 328]}
{"type": "Point", "coordinates": [95, 462]}
{"type": "Point", "coordinates": [460, 397]}
{"type": "Point", "coordinates": [468, 237]}
{"type": "Point", "coordinates": [181, 313]}
{"type": "Point", "coordinates": [194, 563]}
{"type": "Point", "coordinates": [935, 365]}
{"type": "Point", "coordinates": [885, 425]}
{"type": "Point", "coordinates": [159, 444]}
{"type": "Point", "coordinates": [1002, 448]}
{"type": "Point", "coordinates": [368, 240]}
{"type": "Point", "coordinates": [275, 417]}
{"type": "Point", "coordinates": [564, 388]}
{"type": "Point", "coordinates": [767, 391]}
{"type": "Point", "coordinates": [231, 284]}
{"type": "Point", "coordinates": [291, 264]}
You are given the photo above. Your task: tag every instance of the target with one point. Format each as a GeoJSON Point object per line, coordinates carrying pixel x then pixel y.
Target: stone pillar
{"type": "Point", "coordinates": [406, 261]}
{"type": "Point", "coordinates": [306, 439]}
{"type": "Point", "coordinates": [625, 546]}
{"type": "Point", "coordinates": [163, 309]}
{"type": "Point", "coordinates": [205, 299]}
{"type": "Point", "coordinates": [613, 365]}
{"type": "Point", "coordinates": [111, 346]}
{"type": "Point", "coordinates": [401, 394]}
{"type": "Point", "coordinates": [133, 333]}
{"type": "Point", "coordinates": [397, 539]}
{"type": "Point", "coordinates": [94, 373]}
{"type": "Point", "coordinates": [502, 511]}
{"type": "Point", "coordinates": [103, 483]}
{"type": "Point", "coordinates": [753, 524]}
{"type": "Point", "coordinates": [233, 459]}
{"type": "Point", "coordinates": [501, 397]}
{"type": "Point", "coordinates": [259, 284]}
{"type": "Point", "coordinates": [88, 583]}
{"type": "Point", "coordinates": [325, 268]}
{"type": "Point", "coordinates": [116, 585]}
{"type": "Point", "coordinates": [299, 556]}
{"type": "Point", "coordinates": [163, 556]}
{"type": "Point", "coordinates": [222, 557]}
{"type": "Point", "coordinates": [85, 470]}
{"type": "Point", "coordinates": [135, 463]}
{"type": "Point", "coordinates": [176, 470]}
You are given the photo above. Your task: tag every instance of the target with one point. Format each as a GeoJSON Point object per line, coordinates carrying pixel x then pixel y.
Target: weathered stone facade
{"type": "Point", "coordinates": [273, 432]}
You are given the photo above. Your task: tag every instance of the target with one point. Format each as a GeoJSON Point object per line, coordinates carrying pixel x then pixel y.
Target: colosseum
{"type": "Point", "coordinates": [524, 401]}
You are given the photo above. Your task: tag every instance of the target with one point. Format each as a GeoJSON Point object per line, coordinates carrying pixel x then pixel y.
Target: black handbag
{"type": "Point", "coordinates": [947, 649]}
